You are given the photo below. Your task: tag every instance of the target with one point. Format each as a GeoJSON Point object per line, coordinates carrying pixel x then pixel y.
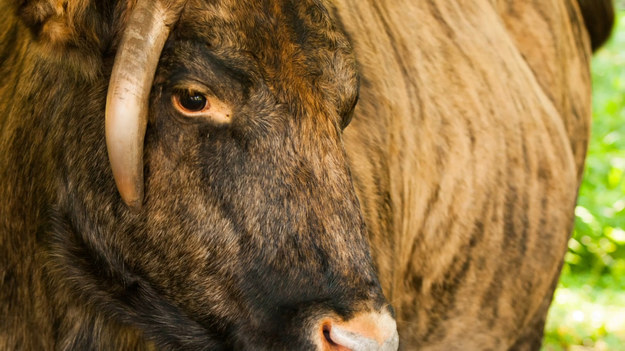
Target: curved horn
{"type": "Point", "coordinates": [129, 90]}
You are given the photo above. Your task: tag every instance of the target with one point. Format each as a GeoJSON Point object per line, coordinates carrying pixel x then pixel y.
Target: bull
{"type": "Point", "coordinates": [181, 174]}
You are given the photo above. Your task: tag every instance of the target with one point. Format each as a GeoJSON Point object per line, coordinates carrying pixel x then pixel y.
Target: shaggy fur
{"type": "Point", "coordinates": [463, 159]}
{"type": "Point", "coordinates": [250, 233]}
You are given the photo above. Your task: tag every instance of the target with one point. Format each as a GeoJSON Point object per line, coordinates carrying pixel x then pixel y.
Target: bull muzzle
{"type": "Point", "coordinates": [365, 332]}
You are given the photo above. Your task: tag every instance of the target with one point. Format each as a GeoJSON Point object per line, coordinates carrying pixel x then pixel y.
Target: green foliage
{"type": "Point", "coordinates": [586, 314]}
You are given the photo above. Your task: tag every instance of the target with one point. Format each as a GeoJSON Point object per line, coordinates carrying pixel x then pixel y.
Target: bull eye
{"type": "Point", "coordinates": [195, 104]}
{"type": "Point", "coordinates": [191, 102]}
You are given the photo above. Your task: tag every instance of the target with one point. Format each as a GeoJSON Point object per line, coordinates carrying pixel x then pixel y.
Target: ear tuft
{"type": "Point", "coordinates": [56, 31]}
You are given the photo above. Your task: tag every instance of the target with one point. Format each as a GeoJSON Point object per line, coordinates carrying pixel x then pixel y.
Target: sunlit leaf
{"type": "Point", "coordinates": [585, 215]}
{"type": "Point", "coordinates": [616, 234]}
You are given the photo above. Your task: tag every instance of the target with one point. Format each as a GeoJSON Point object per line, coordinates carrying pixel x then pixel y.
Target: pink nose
{"type": "Point", "coordinates": [364, 332]}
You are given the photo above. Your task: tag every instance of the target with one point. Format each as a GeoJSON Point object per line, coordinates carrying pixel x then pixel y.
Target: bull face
{"type": "Point", "coordinates": [250, 228]}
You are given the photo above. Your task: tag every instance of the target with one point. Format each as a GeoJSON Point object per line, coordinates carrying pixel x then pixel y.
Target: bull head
{"type": "Point", "coordinates": [329, 286]}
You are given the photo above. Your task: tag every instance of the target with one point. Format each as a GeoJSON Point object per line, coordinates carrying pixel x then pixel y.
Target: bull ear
{"type": "Point", "coordinates": [53, 22]}
{"type": "Point", "coordinates": [70, 33]}
{"type": "Point", "coordinates": [599, 20]}
{"type": "Point", "coordinates": [129, 89]}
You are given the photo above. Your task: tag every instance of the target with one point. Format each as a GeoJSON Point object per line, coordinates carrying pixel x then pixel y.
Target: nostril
{"type": "Point", "coordinates": [330, 345]}
{"type": "Point", "coordinates": [326, 334]}
{"type": "Point", "coordinates": [368, 332]}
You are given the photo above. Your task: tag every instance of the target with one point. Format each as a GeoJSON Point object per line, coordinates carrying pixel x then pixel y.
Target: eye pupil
{"type": "Point", "coordinates": [193, 102]}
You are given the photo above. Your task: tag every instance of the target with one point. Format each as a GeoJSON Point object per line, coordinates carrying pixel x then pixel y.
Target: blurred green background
{"type": "Point", "coordinates": [588, 311]}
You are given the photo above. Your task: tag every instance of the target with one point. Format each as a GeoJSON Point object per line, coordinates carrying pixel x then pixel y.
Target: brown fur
{"type": "Point", "coordinates": [468, 144]}
{"type": "Point", "coordinates": [465, 150]}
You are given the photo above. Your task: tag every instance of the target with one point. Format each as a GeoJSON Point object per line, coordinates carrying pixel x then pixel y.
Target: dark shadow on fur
{"type": "Point", "coordinates": [105, 285]}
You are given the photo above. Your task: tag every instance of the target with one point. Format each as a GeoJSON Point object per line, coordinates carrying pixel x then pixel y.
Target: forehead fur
{"type": "Point", "coordinates": [303, 58]}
